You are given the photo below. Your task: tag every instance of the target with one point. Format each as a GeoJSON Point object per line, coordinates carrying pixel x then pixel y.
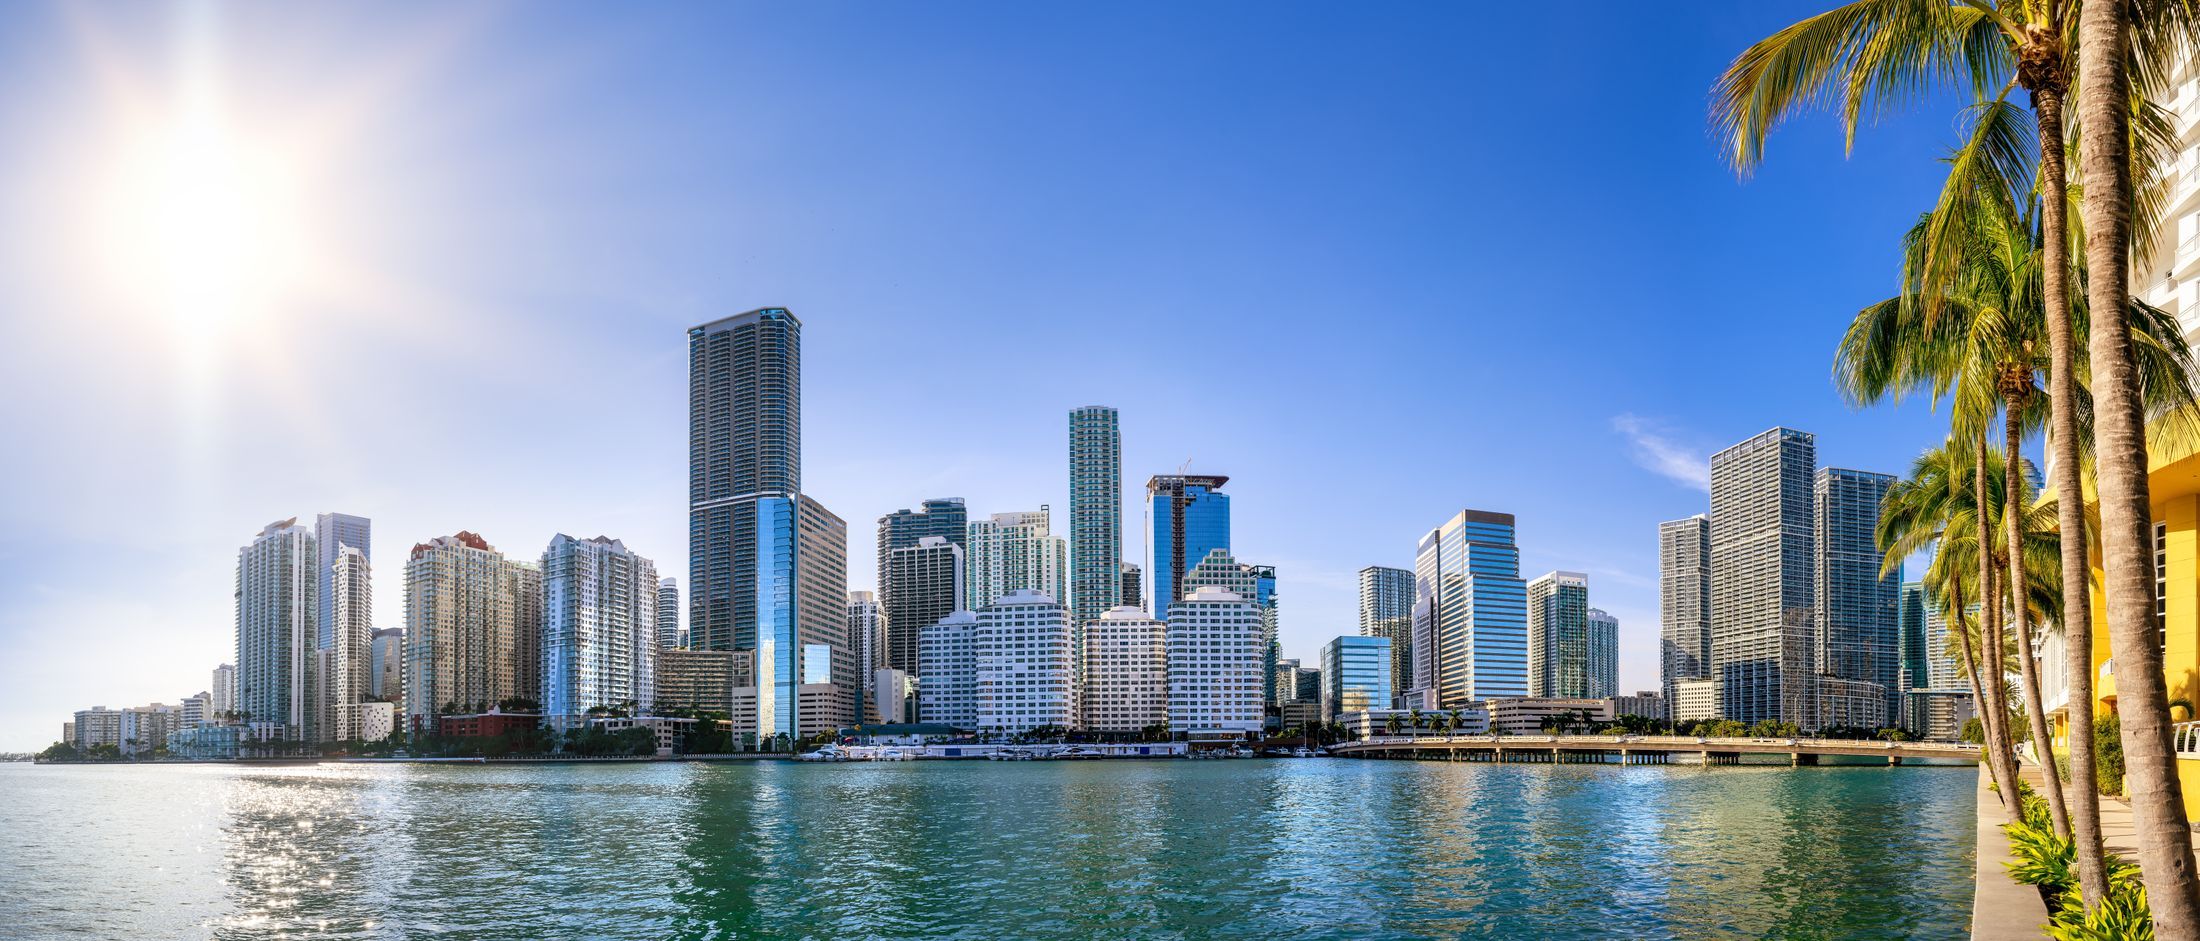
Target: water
{"type": "Point", "coordinates": [1212, 849]}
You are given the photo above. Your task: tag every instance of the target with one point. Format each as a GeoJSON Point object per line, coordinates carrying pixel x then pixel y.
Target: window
{"type": "Point", "coordinates": [2161, 585]}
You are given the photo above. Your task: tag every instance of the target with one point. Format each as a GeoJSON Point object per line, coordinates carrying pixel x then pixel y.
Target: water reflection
{"type": "Point", "coordinates": [1042, 849]}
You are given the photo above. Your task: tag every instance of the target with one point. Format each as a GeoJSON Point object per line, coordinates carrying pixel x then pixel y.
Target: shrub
{"type": "Point", "coordinates": [2108, 755]}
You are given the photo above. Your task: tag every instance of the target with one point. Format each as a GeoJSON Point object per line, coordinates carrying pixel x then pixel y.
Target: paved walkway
{"type": "Point", "coordinates": [2002, 910]}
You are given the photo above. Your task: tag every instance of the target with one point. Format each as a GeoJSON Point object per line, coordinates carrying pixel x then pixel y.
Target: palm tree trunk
{"type": "Point", "coordinates": [2157, 802]}
{"type": "Point", "coordinates": [2012, 514]}
{"type": "Point", "coordinates": [1979, 705]}
{"type": "Point", "coordinates": [2077, 577]}
{"type": "Point", "coordinates": [1993, 718]}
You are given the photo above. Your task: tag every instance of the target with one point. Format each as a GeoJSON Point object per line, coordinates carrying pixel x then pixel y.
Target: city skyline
{"type": "Point", "coordinates": [165, 493]}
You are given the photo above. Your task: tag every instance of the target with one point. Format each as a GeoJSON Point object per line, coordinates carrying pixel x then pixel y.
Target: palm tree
{"type": "Point", "coordinates": [2107, 79]}
{"type": "Point", "coordinates": [1875, 54]}
{"type": "Point", "coordinates": [1938, 504]}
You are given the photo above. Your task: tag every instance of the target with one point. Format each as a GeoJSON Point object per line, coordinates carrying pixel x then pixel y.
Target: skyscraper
{"type": "Point", "coordinates": [1858, 616]}
{"type": "Point", "coordinates": [1684, 602]}
{"type": "Point", "coordinates": [1009, 552]}
{"type": "Point", "coordinates": [332, 532]}
{"type": "Point", "coordinates": [868, 639]}
{"type": "Point", "coordinates": [1762, 556]}
{"type": "Point", "coordinates": [1386, 610]}
{"type": "Point", "coordinates": [668, 614]}
{"type": "Point", "coordinates": [1470, 618]}
{"type": "Point", "coordinates": [1603, 654]}
{"type": "Point", "coordinates": [1095, 512]}
{"type": "Point", "coordinates": [278, 600]}
{"type": "Point", "coordinates": [224, 690]}
{"type": "Point", "coordinates": [744, 446]}
{"type": "Point", "coordinates": [928, 584]}
{"type": "Point", "coordinates": [1188, 517]}
{"type": "Point", "coordinates": [1270, 606]}
{"type": "Point", "coordinates": [1558, 635]}
{"type": "Point", "coordinates": [945, 518]}
{"type": "Point", "coordinates": [473, 623]}
{"type": "Point", "coordinates": [1134, 595]}
{"type": "Point", "coordinates": [599, 629]}
{"type": "Point", "coordinates": [825, 689]}
{"type": "Point", "coordinates": [347, 660]}
{"type": "Point", "coordinates": [767, 565]}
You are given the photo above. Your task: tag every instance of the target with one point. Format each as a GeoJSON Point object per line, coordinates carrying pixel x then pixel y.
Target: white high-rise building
{"type": "Point", "coordinates": [1010, 552]}
{"type": "Point", "coordinates": [278, 600]}
{"type": "Point", "coordinates": [473, 628]}
{"type": "Point", "coordinates": [947, 665]}
{"type": "Point", "coordinates": [332, 533]}
{"type": "Point", "coordinates": [195, 710]}
{"type": "Point", "coordinates": [599, 629]}
{"type": "Point", "coordinates": [1215, 664]}
{"type": "Point", "coordinates": [1126, 687]}
{"type": "Point", "coordinates": [1025, 676]}
{"type": "Point", "coordinates": [347, 659]}
{"type": "Point", "coordinates": [224, 690]}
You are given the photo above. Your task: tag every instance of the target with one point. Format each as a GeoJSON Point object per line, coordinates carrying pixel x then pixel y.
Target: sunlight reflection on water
{"type": "Point", "coordinates": [981, 849]}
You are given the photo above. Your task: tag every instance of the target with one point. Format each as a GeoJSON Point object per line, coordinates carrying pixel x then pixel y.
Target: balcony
{"type": "Point", "coordinates": [2186, 736]}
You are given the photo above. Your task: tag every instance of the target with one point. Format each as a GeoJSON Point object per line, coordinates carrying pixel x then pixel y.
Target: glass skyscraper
{"type": "Point", "coordinates": [1470, 618]}
{"type": "Point", "coordinates": [744, 447]}
{"type": "Point", "coordinates": [1386, 610]}
{"type": "Point", "coordinates": [1356, 673]}
{"type": "Point", "coordinates": [760, 554]}
{"type": "Point", "coordinates": [1188, 517]}
{"type": "Point", "coordinates": [1558, 635]}
{"type": "Point", "coordinates": [334, 531]}
{"type": "Point", "coordinates": [1684, 602]}
{"type": "Point", "coordinates": [1095, 512]}
{"type": "Point", "coordinates": [1859, 608]}
{"type": "Point", "coordinates": [1603, 654]}
{"type": "Point", "coordinates": [1762, 556]}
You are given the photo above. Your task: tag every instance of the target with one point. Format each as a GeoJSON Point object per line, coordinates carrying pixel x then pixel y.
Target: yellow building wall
{"type": "Point", "coordinates": [2175, 489]}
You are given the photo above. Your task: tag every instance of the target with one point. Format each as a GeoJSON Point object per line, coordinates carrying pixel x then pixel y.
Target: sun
{"type": "Point", "coordinates": [205, 220]}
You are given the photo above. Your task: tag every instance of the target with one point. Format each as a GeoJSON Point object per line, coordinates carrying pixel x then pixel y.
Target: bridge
{"type": "Point", "coordinates": [1641, 749]}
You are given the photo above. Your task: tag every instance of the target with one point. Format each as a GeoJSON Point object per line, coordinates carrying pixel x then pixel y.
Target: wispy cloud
{"type": "Point", "coordinates": [1653, 447]}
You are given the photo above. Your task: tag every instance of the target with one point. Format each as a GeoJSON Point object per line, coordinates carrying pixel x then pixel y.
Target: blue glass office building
{"type": "Point", "coordinates": [1355, 675]}
{"type": "Point", "coordinates": [1470, 611]}
{"type": "Point", "coordinates": [1190, 517]}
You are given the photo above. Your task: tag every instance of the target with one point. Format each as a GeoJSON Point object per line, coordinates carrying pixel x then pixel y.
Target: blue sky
{"type": "Point", "coordinates": [1375, 265]}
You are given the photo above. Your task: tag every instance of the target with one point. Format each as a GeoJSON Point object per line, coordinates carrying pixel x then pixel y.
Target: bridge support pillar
{"type": "Point", "coordinates": [1894, 761]}
{"type": "Point", "coordinates": [1803, 759]}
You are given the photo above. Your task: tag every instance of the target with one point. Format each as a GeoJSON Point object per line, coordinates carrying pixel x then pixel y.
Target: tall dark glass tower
{"type": "Point", "coordinates": [1762, 561]}
{"type": "Point", "coordinates": [744, 445]}
{"type": "Point", "coordinates": [767, 566]}
{"type": "Point", "coordinates": [1095, 513]}
{"type": "Point", "coordinates": [1859, 607]}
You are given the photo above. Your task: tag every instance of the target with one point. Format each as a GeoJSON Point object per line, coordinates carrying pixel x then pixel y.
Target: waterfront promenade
{"type": "Point", "coordinates": [1643, 749]}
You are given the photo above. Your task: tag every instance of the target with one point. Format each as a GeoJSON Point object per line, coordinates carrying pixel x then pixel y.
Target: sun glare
{"type": "Point", "coordinates": [205, 222]}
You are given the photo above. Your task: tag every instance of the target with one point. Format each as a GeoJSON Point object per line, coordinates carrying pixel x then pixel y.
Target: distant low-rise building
{"type": "Point", "coordinates": [1526, 715]}
{"type": "Point", "coordinates": [1376, 723]}
{"type": "Point", "coordinates": [1695, 700]}
{"type": "Point", "coordinates": [374, 721]}
{"type": "Point", "coordinates": [1648, 704]}
{"type": "Point", "coordinates": [486, 724]}
{"type": "Point", "coordinates": [667, 731]}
